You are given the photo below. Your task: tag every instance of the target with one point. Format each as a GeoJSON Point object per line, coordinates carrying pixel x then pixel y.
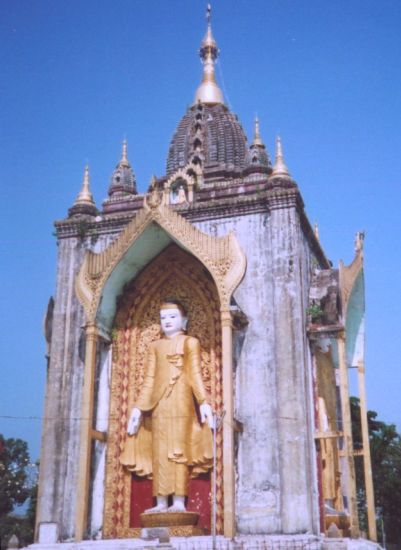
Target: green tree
{"type": "Point", "coordinates": [385, 448]}
{"type": "Point", "coordinates": [18, 482]}
{"type": "Point", "coordinates": [14, 460]}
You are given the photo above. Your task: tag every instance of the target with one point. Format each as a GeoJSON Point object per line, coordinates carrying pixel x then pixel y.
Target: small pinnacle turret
{"type": "Point", "coordinates": [123, 179]}
{"type": "Point", "coordinates": [208, 91]}
{"type": "Point", "coordinates": [280, 176]}
{"type": "Point", "coordinates": [279, 168]}
{"type": "Point", "coordinates": [124, 159]}
{"type": "Point", "coordinates": [258, 160]}
{"type": "Point", "coordinates": [84, 203]}
{"type": "Point", "coordinates": [257, 140]}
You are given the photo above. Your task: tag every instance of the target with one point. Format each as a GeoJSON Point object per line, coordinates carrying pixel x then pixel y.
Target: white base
{"type": "Point", "coordinates": [242, 542]}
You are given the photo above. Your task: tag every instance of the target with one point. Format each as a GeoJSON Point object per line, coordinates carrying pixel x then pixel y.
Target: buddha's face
{"type": "Point", "coordinates": [172, 321]}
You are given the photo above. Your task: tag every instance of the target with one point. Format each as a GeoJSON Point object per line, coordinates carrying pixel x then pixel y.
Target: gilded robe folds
{"type": "Point", "coordinates": [171, 444]}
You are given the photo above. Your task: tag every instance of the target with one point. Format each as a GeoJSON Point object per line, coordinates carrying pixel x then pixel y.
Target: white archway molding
{"type": "Point", "coordinates": [103, 275]}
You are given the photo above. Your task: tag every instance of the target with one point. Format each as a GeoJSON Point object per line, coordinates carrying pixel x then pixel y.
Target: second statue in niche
{"type": "Point", "coordinates": [166, 439]}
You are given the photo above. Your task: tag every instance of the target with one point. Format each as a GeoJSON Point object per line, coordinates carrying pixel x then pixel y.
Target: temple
{"type": "Point", "coordinates": [225, 232]}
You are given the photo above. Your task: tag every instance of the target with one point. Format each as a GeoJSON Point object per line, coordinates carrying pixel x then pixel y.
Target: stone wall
{"type": "Point", "coordinates": [61, 427]}
{"type": "Point", "coordinates": [276, 474]}
{"type": "Point", "coordinates": [275, 461]}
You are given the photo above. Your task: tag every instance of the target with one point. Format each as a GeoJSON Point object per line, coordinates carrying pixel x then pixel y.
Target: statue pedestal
{"type": "Point", "coordinates": [178, 524]}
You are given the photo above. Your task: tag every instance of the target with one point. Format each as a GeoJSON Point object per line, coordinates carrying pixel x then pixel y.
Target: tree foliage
{"type": "Point", "coordinates": [385, 448]}
{"type": "Point", "coordinates": [14, 460]}
{"type": "Point", "coordinates": [18, 482]}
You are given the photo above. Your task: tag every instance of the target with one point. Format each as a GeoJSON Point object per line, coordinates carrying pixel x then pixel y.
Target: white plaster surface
{"type": "Point", "coordinates": [261, 542]}
{"type": "Point", "coordinates": [99, 459]}
{"type": "Point", "coordinates": [275, 463]}
{"type": "Point", "coordinates": [257, 493]}
{"type": "Point", "coordinates": [48, 533]}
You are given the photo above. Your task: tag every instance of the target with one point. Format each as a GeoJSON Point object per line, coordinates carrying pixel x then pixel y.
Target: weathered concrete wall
{"type": "Point", "coordinates": [63, 393]}
{"type": "Point", "coordinates": [276, 485]}
{"type": "Point", "coordinates": [258, 485]}
{"type": "Point", "coordinates": [61, 428]}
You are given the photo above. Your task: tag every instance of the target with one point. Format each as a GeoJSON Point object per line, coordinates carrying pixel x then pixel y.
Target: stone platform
{"type": "Point", "coordinates": [250, 542]}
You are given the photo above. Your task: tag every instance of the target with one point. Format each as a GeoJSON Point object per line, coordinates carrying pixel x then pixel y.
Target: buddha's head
{"type": "Point", "coordinates": [173, 318]}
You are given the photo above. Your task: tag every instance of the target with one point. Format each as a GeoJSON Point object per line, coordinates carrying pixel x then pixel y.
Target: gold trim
{"type": "Point", "coordinates": [222, 256]}
{"type": "Point", "coordinates": [176, 273]}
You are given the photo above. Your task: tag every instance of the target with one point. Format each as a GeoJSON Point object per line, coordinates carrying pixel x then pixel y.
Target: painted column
{"type": "Point", "coordinates": [347, 431]}
{"type": "Point", "coordinates": [60, 433]}
{"type": "Point", "coordinates": [228, 423]}
{"type": "Point", "coordinates": [367, 465]}
{"type": "Point", "coordinates": [86, 432]}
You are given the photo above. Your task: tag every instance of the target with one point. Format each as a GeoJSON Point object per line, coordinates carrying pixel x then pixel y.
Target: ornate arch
{"type": "Point", "coordinates": [181, 174]}
{"type": "Point", "coordinates": [176, 273]}
{"type": "Point", "coordinates": [102, 279]}
{"type": "Point", "coordinates": [222, 256]}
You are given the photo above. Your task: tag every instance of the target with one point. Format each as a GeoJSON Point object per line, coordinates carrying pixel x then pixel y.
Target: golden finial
{"type": "Point", "coordinates": [316, 231]}
{"type": "Point", "coordinates": [85, 195]}
{"type": "Point", "coordinates": [257, 140]}
{"type": "Point", "coordinates": [208, 13]}
{"type": "Point", "coordinates": [124, 158]}
{"type": "Point", "coordinates": [279, 168]}
{"type": "Point", "coordinates": [208, 91]}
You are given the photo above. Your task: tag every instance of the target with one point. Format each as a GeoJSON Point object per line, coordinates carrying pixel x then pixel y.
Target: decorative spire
{"type": "Point", "coordinates": [280, 169]}
{"type": "Point", "coordinates": [257, 140]}
{"type": "Point", "coordinates": [85, 196]}
{"type": "Point", "coordinates": [208, 91]}
{"type": "Point", "coordinates": [123, 178]}
{"type": "Point", "coordinates": [84, 203]}
{"type": "Point", "coordinates": [124, 159]}
{"type": "Point", "coordinates": [258, 158]}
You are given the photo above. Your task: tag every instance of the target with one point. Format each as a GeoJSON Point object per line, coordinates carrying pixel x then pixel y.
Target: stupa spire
{"type": "Point", "coordinates": [208, 91]}
{"type": "Point", "coordinates": [123, 179]}
{"type": "Point", "coordinates": [280, 168]}
{"type": "Point", "coordinates": [257, 140]}
{"type": "Point", "coordinates": [84, 203]}
{"type": "Point", "coordinates": [85, 196]}
{"type": "Point", "coordinates": [124, 156]}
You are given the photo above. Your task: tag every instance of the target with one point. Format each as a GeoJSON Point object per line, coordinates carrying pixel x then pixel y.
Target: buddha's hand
{"type": "Point", "coordinates": [206, 414]}
{"type": "Point", "coordinates": [134, 421]}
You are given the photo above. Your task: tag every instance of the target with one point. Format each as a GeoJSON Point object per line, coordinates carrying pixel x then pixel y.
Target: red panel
{"type": "Point", "coordinates": [141, 498]}
{"type": "Point", "coordinates": [198, 499]}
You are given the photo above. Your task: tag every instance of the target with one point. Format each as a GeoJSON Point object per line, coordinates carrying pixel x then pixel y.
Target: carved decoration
{"type": "Point", "coordinates": [222, 256]}
{"type": "Point", "coordinates": [173, 273]}
{"type": "Point", "coordinates": [181, 174]}
{"type": "Point", "coordinates": [324, 298]}
{"type": "Point", "coordinates": [349, 273]}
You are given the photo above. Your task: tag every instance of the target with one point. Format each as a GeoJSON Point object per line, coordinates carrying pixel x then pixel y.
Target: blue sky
{"type": "Point", "coordinates": [79, 76]}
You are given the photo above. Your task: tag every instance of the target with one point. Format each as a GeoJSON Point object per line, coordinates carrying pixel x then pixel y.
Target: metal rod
{"type": "Point", "coordinates": [214, 509]}
{"type": "Point", "coordinates": [217, 423]}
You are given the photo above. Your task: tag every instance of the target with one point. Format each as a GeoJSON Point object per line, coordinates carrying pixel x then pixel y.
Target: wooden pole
{"type": "Point", "coordinates": [228, 431]}
{"type": "Point", "coordinates": [85, 448]}
{"type": "Point", "coordinates": [347, 431]}
{"type": "Point", "coordinates": [367, 464]}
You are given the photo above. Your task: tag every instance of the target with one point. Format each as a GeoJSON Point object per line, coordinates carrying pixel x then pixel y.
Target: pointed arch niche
{"type": "Point", "coordinates": [159, 253]}
{"type": "Point", "coordinates": [175, 273]}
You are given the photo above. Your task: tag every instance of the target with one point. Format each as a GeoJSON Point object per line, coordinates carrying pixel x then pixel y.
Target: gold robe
{"type": "Point", "coordinates": [171, 444]}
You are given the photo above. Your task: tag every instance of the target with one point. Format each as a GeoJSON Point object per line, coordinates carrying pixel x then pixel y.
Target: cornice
{"type": "Point", "coordinates": [241, 197]}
